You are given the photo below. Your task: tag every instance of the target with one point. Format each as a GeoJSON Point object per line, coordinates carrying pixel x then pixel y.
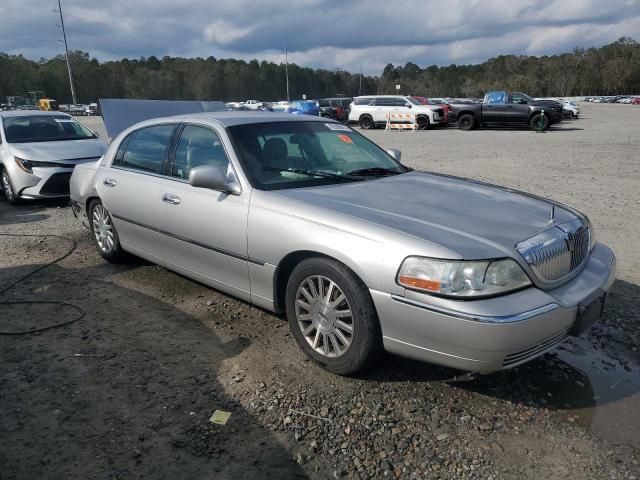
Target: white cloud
{"type": "Point", "coordinates": [222, 32]}
{"type": "Point", "coordinates": [325, 33]}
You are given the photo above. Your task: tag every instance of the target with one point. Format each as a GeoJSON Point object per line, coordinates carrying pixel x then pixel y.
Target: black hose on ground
{"type": "Point", "coordinates": [80, 311]}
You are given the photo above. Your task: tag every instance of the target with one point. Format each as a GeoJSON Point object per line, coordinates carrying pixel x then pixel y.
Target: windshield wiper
{"type": "Point", "coordinates": [375, 172]}
{"type": "Point", "coordinates": [314, 173]}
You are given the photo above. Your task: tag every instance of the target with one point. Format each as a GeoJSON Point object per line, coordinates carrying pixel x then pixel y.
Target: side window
{"type": "Point", "coordinates": [401, 102]}
{"type": "Point", "coordinates": [362, 101]}
{"type": "Point", "coordinates": [120, 153]}
{"type": "Point", "coordinates": [146, 149]}
{"type": "Point", "coordinates": [198, 146]}
{"type": "Point", "coordinates": [385, 102]}
{"type": "Point", "coordinates": [518, 99]}
{"type": "Point", "coordinates": [495, 98]}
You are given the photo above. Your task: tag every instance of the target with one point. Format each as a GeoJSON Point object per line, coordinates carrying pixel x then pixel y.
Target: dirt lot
{"type": "Point", "coordinates": [127, 390]}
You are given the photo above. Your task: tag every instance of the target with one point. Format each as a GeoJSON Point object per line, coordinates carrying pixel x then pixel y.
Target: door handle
{"type": "Point", "coordinates": [172, 199]}
{"type": "Point", "coordinates": [109, 182]}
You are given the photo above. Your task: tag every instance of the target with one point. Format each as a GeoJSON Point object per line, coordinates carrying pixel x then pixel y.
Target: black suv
{"type": "Point", "coordinates": [335, 108]}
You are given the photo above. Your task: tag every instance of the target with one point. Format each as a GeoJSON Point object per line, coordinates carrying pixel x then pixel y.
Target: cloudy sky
{"type": "Point", "coordinates": [350, 35]}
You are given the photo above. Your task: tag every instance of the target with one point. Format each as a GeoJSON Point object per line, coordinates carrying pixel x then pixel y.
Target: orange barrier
{"type": "Point", "coordinates": [401, 121]}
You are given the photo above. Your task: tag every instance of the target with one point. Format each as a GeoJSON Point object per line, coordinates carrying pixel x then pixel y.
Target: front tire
{"type": "Point", "coordinates": [423, 123]}
{"type": "Point", "coordinates": [104, 234]}
{"type": "Point", "coordinates": [7, 188]}
{"type": "Point", "coordinates": [332, 317]}
{"type": "Point", "coordinates": [539, 122]}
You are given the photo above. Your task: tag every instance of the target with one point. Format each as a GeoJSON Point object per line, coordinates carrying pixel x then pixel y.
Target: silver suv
{"type": "Point", "coordinates": [372, 111]}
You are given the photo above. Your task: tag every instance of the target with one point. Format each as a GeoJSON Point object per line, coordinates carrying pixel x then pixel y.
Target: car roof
{"type": "Point", "coordinates": [386, 96]}
{"type": "Point", "coordinates": [30, 113]}
{"type": "Point", "coordinates": [230, 119]}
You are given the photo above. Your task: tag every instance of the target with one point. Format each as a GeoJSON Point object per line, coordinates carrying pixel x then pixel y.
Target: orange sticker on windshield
{"type": "Point", "coordinates": [345, 138]}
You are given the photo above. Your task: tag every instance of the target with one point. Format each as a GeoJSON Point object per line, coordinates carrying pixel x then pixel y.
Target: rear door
{"type": "Point", "coordinates": [130, 186]}
{"type": "Point", "coordinates": [203, 232]}
{"type": "Point", "coordinates": [383, 107]}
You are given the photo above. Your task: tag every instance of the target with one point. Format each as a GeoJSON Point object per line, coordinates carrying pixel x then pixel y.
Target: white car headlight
{"type": "Point", "coordinates": [460, 278]}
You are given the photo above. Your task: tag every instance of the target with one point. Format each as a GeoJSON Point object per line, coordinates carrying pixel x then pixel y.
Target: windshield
{"type": "Point", "coordinates": [414, 101]}
{"type": "Point", "coordinates": [44, 128]}
{"type": "Point", "coordinates": [282, 155]}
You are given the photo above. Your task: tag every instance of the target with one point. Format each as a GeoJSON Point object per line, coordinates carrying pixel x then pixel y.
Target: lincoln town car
{"type": "Point", "coordinates": [306, 217]}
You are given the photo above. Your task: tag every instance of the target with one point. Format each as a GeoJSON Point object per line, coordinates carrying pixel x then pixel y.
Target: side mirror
{"type": "Point", "coordinates": [395, 153]}
{"type": "Point", "coordinates": [213, 178]}
{"type": "Point", "coordinates": [408, 106]}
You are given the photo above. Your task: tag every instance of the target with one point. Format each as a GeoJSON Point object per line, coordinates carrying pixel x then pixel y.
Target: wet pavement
{"type": "Point", "coordinates": [597, 389]}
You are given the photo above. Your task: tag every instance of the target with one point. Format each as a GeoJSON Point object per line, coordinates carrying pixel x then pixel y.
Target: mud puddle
{"type": "Point", "coordinates": [599, 390]}
{"type": "Point", "coordinates": [596, 389]}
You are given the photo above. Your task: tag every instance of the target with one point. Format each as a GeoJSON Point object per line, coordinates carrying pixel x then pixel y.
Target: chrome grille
{"type": "Point", "coordinates": [555, 253]}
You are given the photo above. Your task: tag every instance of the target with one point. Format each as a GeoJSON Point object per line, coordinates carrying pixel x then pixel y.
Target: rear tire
{"type": "Point", "coordinates": [104, 234]}
{"type": "Point", "coordinates": [366, 122]}
{"type": "Point", "coordinates": [321, 322]}
{"type": "Point", "coordinates": [7, 188]}
{"type": "Point", "coordinates": [539, 122]}
{"type": "Point", "coordinates": [466, 122]}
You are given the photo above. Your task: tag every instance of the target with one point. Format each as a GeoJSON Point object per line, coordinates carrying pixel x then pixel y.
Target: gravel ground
{"type": "Point", "coordinates": [127, 391]}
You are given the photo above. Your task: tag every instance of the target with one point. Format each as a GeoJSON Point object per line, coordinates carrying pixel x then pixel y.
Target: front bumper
{"type": "Point", "coordinates": [50, 182]}
{"type": "Point", "coordinates": [491, 334]}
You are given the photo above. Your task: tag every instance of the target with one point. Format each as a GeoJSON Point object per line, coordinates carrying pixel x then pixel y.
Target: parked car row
{"type": "Point", "coordinates": [80, 109]}
{"type": "Point", "coordinates": [627, 99]}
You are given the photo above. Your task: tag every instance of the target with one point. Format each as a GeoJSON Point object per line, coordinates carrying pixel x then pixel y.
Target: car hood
{"type": "Point", "coordinates": [472, 219]}
{"type": "Point", "coordinates": [62, 150]}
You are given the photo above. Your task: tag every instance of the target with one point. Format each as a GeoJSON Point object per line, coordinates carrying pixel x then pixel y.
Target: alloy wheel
{"type": "Point", "coordinates": [324, 316]}
{"type": "Point", "coordinates": [6, 186]}
{"type": "Point", "coordinates": [103, 229]}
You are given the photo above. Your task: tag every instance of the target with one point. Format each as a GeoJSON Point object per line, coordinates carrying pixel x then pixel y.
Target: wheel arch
{"type": "Point", "coordinates": [288, 263]}
{"type": "Point", "coordinates": [467, 112]}
{"type": "Point", "coordinates": [88, 201]}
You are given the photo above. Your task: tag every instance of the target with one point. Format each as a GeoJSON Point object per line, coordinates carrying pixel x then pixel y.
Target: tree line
{"type": "Point", "coordinates": [608, 70]}
{"type": "Point", "coordinates": [611, 69]}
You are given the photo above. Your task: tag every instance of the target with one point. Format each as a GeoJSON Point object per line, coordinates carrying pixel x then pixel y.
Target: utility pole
{"type": "Point", "coordinates": [66, 55]}
{"type": "Point", "coordinates": [286, 69]}
{"type": "Point", "coordinates": [360, 89]}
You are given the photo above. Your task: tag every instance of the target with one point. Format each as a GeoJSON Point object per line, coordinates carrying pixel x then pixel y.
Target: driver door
{"type": "Point", "coordinates": [204, 232]}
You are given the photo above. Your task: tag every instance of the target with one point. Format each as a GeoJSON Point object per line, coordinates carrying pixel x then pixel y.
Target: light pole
{"type": "Point", "coordinates": [286, 69]}
{"type": "Point", "coordinates": [66, 55]}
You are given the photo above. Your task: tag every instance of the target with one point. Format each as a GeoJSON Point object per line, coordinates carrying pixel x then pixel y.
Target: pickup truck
{"type": "Point", "coordinates": [506, 108]}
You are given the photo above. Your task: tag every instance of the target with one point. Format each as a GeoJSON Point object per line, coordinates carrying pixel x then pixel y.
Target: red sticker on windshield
{"type": "Point", "coordinates": [345, 138]}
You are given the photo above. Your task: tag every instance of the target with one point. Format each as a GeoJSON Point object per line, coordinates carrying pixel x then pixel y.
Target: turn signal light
{"type": "Point", "coordinates": [421, 283]}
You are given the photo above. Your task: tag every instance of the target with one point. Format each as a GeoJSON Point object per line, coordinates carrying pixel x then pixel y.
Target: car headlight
{"type": "Point", "coordinates": [460, 278]}
{"type": "Point", "coordinates": [27, 165]}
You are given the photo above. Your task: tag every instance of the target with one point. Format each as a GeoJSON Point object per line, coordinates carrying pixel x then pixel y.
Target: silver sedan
{"type": "Point", "coordinates": [305, 216]}
{"type": "Point", "coordinates": [38, 151]}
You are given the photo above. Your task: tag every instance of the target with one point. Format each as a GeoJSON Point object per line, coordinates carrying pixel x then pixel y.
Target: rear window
{"type": "Point", "coordinates": [362, 101]}
{"type": "Point", "coordinates": [44, 128]}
